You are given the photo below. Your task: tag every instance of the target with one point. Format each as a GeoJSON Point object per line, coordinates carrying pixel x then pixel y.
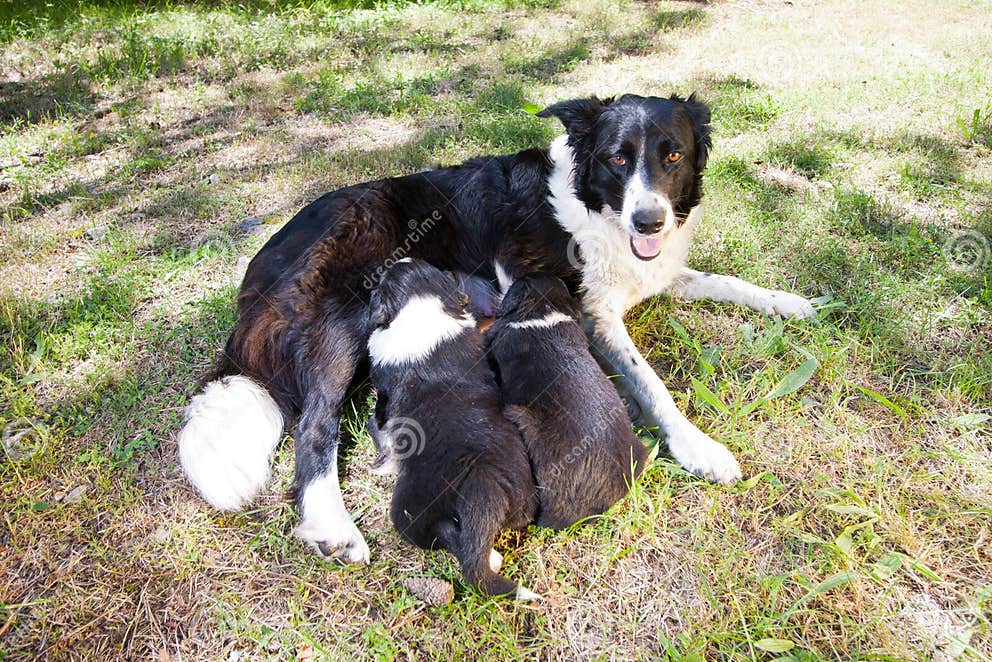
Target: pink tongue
{"type": "Point", "coordinates": [646, 246]}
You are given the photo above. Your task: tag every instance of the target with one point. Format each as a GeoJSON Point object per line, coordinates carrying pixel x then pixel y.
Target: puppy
{"type": "Point", "coordinates": [583, 452]}
{"type": "Point", "coordinates": [463, 472]}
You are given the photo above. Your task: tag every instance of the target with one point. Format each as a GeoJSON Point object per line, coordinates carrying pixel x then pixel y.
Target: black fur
{"type": "Point", "coordinates": [466, 477]}
{"type": "Point", "coordinates": [582, 450]}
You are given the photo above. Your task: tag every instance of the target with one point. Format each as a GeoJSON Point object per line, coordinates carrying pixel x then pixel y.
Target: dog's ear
{"type": "Point", "coordinates": [377, 313]}
{"type": "Point", "coordinates": [699, 113]}
{"type": "Point", "coordinates": [578, 115]}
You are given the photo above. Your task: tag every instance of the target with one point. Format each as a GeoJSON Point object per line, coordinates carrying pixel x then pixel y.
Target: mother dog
{"type": "Point", "coordinates": [610, 208]}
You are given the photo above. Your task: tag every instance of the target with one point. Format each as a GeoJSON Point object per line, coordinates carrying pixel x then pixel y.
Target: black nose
{"type": "Point", "coordinates": [648, 221]}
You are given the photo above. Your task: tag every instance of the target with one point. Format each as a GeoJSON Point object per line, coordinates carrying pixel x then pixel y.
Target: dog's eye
{"type": "Point", "coordinates": [673, 157]}
{"type": "Point", "coordinates": [618, 160]}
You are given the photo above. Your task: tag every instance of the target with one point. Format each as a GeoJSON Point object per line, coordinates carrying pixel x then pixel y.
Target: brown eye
{"type": "Point", "coordinates": [674, 157]}
{"type": "Point", "coordinates": [618, 160]}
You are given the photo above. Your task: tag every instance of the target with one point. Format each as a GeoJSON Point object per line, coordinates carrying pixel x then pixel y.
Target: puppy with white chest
{"type": "Point", "coordinates": [463, 473]}
{"type": "Point", "coordinates": [583, 451]}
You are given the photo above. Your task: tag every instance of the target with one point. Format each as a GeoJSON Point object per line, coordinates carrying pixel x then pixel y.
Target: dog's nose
{"type": "Point", "coordinates": [648, 221]}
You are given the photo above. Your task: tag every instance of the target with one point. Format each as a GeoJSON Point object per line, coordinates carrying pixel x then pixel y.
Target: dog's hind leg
{"type": "Point", "coordinates": [326, 524]}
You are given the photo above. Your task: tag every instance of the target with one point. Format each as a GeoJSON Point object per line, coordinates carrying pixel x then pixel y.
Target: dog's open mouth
{"type": "Point", "coordinates": [646, 248]}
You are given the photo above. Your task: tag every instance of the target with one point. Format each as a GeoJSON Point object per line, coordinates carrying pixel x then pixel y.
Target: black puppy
{"type": "Point", "coordinates": [576, 429]}
{"type": "Point", "coordinates": [463, 470]}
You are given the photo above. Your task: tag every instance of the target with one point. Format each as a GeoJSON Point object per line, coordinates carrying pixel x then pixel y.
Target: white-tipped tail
{"type": "Point", "coordinates": [227, 441]}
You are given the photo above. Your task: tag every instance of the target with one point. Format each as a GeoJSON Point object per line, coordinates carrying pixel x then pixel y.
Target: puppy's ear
{"type": "Point", "coordinates": [377, 310]}
{"type": "Point", "coordinates": [699, 113]}
{"type": "Point", "coordinates": [578, 115]}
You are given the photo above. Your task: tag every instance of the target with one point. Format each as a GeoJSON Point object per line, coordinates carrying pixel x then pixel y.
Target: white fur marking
{"type": "Point", "coordinates": [326, 520]}
{"type": "Point", "coordinates": [227, 441]}
{"type": "Point", "coordinates": [527, 595]}
{"type": "Point", "coordinates": [502, 277]}
{"type": "Point", "coordinates": [495, 560]}
{"type": "Point", "coordinates": [613, 277]}
{"type": "Point", "coordinates": [693, 284]}
{"type": "Point", "coordinates": [419, 327]}
{"type": "Point", "coordinates": [545, 322]}
{"type": "Point", "coordinates": [638, 194]}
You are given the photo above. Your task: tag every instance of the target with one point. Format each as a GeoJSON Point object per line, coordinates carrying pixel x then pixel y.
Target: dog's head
{"type": "Point", "coordinates": [638, 161]}
{"type": "Point", "coordinates": [409, 279]}
{"type": "Point", "coordinates": [538, 295]}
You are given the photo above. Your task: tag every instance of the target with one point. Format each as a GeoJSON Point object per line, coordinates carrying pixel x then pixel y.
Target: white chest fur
{"type": "Point", "coordinates": [613, 278]}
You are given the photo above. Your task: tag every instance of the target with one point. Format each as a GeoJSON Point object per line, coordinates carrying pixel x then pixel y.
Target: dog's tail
{"type": "Point", "coordinates": [226, 444]}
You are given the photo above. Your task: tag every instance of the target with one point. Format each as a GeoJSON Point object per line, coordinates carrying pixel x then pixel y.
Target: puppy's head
{"type": "Point", "coordinates": [410, 279]}
{"type": "Point", "coordinates": [638, 161]}
{"type": "Point", "coordinates": [537, 296]}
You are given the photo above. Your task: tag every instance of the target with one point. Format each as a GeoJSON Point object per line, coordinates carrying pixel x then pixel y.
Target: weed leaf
{"type": "Point", "coordinates": [794, 380]}
{"type": "Point", "coordinates": [775, 645]}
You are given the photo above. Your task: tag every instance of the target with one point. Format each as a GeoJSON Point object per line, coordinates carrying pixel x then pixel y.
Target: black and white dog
{"type": "Point", "coordinates": [610, 208]}
{"type": "Point", "coordinates": [583, 453]}
{"type": "Point", "coordinates": [463, 472]}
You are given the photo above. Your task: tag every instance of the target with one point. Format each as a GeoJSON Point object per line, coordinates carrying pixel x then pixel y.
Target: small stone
{"type": "Point", "coordinates": [135, 216]}
{"type": "Point", "coordinates": [96, 233]}
{"type": "Point", "coordinates": [251, 224]}
{"type": "Point", "coordinates": [434, 592]}
{"type": "Point", "coordinates": [213, 178]}
{"type": "Point", "coordinates": [241, 266]}
{"type": "Point", "coordinates": [76, 495]}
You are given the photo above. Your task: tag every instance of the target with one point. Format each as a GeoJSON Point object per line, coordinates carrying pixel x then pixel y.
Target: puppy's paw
{"type": "Point", "coordinates": [495, 560]}
{"type": "Point", "coordinates": [384, 465]}
{"type": "Point", "coordinates": [526, 595]}
{"type": "Point", "coordinates": [700, 455]}
{"type": "Point", "coordinates": [334, 538]}
{"type": "Point", "coordinates": [783, 304]}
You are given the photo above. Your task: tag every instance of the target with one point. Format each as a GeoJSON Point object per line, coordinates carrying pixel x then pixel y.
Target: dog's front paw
{"type": "Point", "coordinates": [702, 456]}
{"type": "Point", "coordinates": [783, 304]}
{"type": "Point", "coordinates": [334, 538]}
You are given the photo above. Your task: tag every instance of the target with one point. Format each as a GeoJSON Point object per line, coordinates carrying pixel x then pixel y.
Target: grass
{"type": "Point", "coordinates": [134, 138]}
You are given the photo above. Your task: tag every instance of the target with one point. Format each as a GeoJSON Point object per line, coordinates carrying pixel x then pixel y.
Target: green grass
{"type": "Point", "coordinates": [856, 175]}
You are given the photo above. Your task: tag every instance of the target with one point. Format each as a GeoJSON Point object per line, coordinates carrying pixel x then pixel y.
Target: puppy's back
{"type": "Point", "coordinates": [583, 451]}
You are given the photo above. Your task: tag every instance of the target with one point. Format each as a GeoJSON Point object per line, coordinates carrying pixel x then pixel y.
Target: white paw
{"type": "Point", "coordinates": [527, 595]}
{"type": "Point", "coordinates": [495, 560]}
{"type": "Point", "coordinates": [702, 456]}
{"type": "Point", "coordinates": [783, 304]}
{"type": "Point", "coordinates": [340, 541]}
{"type": "Point", "coordinates": [326, 525]}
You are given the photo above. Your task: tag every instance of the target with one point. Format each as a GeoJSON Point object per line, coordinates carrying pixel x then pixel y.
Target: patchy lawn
{"type": "Point", "coordinates": [851, 164]}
